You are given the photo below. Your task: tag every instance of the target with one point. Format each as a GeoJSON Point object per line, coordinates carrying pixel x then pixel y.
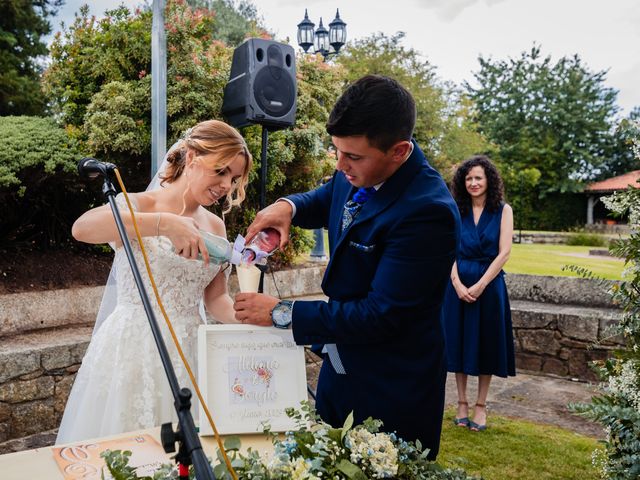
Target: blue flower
{"type": "Point", "coordinates": [363, 194]}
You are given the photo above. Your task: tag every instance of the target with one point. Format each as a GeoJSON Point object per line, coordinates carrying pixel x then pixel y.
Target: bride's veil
{"type": "Point", "coordinates": [110, 295]}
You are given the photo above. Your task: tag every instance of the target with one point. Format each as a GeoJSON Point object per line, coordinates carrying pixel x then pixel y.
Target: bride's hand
{"type": "Point", "coordinates": [184, 235]}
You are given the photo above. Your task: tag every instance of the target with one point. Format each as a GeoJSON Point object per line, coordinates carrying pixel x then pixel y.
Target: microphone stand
{"type": "Point", "coordinates": [189, 447]}
{"type": "Point", "coordinates": [263, 192]}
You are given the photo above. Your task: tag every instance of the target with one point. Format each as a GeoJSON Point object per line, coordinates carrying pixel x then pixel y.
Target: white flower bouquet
{"type": "Point", "coordinates": [318, 451]}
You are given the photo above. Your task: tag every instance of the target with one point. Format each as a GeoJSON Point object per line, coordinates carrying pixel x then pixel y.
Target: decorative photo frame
{"type": "Point", "coordinates": [248, 375]}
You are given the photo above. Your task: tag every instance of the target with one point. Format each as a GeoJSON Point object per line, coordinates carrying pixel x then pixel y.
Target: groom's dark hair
{"type": "Point", "coordinates": [377, 107]}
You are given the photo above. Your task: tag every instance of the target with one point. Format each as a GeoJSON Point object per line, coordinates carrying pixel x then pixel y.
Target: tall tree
{"type": "Point", "coordinates": [623, 160]}
{"type": "Point", "coordinates": [99, 85]}
{"type": "Point", "coordinates": [23, 24]}
{"type": "Point", "coordinates": [443, 126]}
{"type": "Point", "coordinates": [235, 20]}
{"type": "Point", "coordinates": [555, 117]}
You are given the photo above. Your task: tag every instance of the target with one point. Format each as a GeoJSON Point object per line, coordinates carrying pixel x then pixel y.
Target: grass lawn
{"type": "Point", "coordinates": [546, 259]}
{"type": "Point", "coordinates": [517, 449]}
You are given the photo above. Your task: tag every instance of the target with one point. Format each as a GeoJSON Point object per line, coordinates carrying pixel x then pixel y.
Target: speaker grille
{"type": "Point", "coordinates": [274, 91]}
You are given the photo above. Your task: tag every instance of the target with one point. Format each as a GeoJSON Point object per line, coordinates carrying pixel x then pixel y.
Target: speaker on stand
{"type": "Point", "coordinates": [261, 90]}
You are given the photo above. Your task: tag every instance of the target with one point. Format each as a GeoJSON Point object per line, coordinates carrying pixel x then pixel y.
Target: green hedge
{"type": "Point", "coordinates": [555, 212]}
{"type": "Point", "coordinates": [33, 143]}
{"type": "Point", "coordinates": [40, 195]}
{"type": "Point", "coordinates": [587, 239]}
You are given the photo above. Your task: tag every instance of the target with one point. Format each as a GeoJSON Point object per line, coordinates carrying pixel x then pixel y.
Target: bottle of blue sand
{"type": "Point", "coordinates": [237, 253]}
{"type": "Point", "coordinates": [220, 250]}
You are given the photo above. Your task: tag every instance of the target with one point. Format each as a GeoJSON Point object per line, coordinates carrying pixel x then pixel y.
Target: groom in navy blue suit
{"type": "Point", "coordinates": [393, 230]}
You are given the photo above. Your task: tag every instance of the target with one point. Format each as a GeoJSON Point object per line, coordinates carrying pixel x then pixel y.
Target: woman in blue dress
{"type": "Point", "coordinates": [476, 315]}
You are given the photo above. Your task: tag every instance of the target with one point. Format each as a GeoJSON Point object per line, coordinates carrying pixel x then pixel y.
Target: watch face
{"type": "Point", "coordinates": [277, 315]}
{"type": "Point", "coordinates": [281, 314]}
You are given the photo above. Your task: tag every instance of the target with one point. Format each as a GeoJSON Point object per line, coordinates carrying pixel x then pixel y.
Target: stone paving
{"type": "Point", "coordinates": [537, 398]}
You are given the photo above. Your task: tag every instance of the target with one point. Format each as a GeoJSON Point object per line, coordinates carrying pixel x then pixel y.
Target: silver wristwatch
{"type": "Point", "coordinates": [282, 314]}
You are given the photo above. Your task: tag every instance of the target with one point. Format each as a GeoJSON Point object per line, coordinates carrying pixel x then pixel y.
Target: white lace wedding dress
{"type": "Point", "coordinates": [121, 385]}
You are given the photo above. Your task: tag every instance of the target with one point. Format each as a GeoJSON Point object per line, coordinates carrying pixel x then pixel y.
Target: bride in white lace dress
{"type": "Point", "coordinates": [121, 385]}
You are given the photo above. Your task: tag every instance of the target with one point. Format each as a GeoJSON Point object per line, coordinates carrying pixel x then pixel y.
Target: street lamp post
{"type": "Point", "coordinates": [326, 42]}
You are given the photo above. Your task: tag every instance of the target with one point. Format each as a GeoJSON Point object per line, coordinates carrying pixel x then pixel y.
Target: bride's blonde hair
{"type": "Point", "coordinates": [217, 138]}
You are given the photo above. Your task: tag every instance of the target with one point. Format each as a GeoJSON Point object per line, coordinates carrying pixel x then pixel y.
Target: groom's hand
{"type": "Point", "coordinates": [254, 308]}
{"type": "Point", "coordinates": [278, 216]}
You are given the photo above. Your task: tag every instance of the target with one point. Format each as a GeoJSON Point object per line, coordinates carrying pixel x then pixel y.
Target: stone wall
{"type": "Point", "coordinates": [561, 324]}
{"type": "Point", "coordinates": [540, 237]}
{"type": "Point", "coordinates": [36, 374]}
{"type": "Point", "coordinates": [559, 238]}
{"type": "Point", "coordinates": [560, 290]}
{"type": "Point", "coordinates": [43, 337]}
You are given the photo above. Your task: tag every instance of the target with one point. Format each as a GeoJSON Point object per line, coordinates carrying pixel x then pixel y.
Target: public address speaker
{"type": "Point", "coordinates": [262, 85]}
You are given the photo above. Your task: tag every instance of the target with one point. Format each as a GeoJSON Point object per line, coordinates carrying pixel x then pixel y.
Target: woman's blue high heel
{"type": "Point", "coordinates": [462, 422]}
{"type": "Point", "coordinates": [476, 427]}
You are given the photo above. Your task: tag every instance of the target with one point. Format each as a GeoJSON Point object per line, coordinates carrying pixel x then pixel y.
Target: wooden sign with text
{"type": "Point", "coordinates": [82, 460]}
{"type": "Point", "coordinates": [248, 375]}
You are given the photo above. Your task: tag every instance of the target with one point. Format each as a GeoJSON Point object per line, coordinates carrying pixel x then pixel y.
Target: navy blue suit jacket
{"type": "Point", "coordinates": [385, 281]}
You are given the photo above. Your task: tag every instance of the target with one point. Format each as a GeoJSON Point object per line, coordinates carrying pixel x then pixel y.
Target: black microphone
{"type": "Point", "coordinates": [91, 168]}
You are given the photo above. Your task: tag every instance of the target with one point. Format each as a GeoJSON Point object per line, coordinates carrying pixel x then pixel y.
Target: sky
{"type": "Point", "coordinates": [451, 34]}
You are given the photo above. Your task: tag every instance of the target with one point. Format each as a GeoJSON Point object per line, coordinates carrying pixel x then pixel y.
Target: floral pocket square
{"type": "Point", "coordinates": [363, 248]}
